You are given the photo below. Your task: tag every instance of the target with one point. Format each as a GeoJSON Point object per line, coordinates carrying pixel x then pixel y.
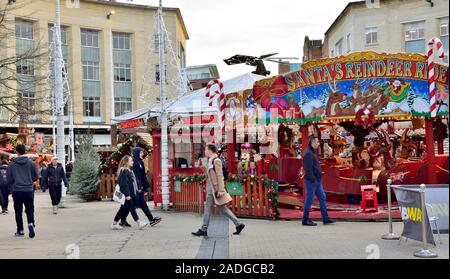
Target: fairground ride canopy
{"type": "Point", "coordinates": [383, 85]}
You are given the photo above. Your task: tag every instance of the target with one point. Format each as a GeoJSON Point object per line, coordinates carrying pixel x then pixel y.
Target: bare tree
{"type": "Point", "coordinates": [23, 72]}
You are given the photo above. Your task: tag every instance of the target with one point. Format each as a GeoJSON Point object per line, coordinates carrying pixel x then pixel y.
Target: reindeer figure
{"type": "Point", "coordinates": [408, 146]}
{"type": "Point", "coordinates": [372, 98]}
{"type": "Point", "coordinates": [333, 108]}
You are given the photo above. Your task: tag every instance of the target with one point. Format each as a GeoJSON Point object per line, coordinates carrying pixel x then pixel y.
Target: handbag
{"type": "Point", "coordinates": [118, 196]}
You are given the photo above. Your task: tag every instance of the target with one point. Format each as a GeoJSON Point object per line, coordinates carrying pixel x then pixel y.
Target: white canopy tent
{"type": "Point", "coordinates": [194, 103]}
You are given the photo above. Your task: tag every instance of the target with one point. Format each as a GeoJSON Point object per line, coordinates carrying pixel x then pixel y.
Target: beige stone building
{"type": "Point", "coordinates": [390, 26]}
{"type": "Point", "coordinates": [108, 47]}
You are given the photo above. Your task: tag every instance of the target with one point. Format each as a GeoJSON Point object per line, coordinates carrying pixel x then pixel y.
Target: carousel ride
{"type": "Point", "coordinates": [371, 113]}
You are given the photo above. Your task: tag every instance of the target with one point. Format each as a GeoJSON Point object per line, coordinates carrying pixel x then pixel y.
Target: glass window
{"type": "Point", "coordinates": [415, 37]}
{"type": "Point", "coordinates": [27, 101]}
{"type": "Point", "coordinates": [338, 48]}
{"type": "Point", "coordinates": [157, 74]}
{"type": "Point", "coordinates": [122, 72]}
{"type": "Point", "coordinates": [122, 106]}
{"type": "Point", "coordinates": [121, 40]}
{"type": "Point", "coordinates": [183, 155]}
{"type": "Point", "coordinates": [24, 29]}
{"type": "Point", "coordinates": [89, 38]}
{"type": "Point", "coordinates": [415, 31]}
{"type": "Point", "coordinates": [371, 35]}
{"type": "Point", "coordinates": [444, 37]}
{"type": "Point", "coordinates": [182, 56]}
{"type": "Point", "coordinates": [91, 70]}
{"type": "Point", "coordinates": [25, 67]}
{"type": "Point", "coordinates": [63, 34]}
{"type": "Point", "coordinates": [91, 106]}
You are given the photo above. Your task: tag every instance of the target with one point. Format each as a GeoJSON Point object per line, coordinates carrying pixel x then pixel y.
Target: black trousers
{"type": "Point", "coordinates": [55, 193]}
{"type": "Point", "coordinates": [123, 211]}
{"type": "Point", "coordinates": [22, 199]}
{"type": "Point", "coordinates": [5, 197]}
{"type": "Point", "coordinates": [142, 204]}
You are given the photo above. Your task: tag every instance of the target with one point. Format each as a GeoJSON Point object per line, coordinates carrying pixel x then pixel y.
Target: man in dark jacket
{"type": "Point", "coordinates": [313, 183]}
{"type": "Point", "coordinates": [5, 189]}
{"type": "Point", "coordinates": [21, 175]}
{"type": "Point", "coordinates": [54, 175]}
{"type": "Point", "coordinates": [140, 175]}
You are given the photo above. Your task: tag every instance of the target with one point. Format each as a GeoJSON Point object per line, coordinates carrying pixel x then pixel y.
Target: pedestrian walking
{"type": "Point", "coordinates": [313, 183]}
{"type": "Point", "coordinates": [21, 175]}
{"type": "Point", "coordinates": [53, 177]}
{"type": "Point", "coordinates": [216, 193]}
{"type": "Point", "coordinates": [69, 169]}
{"type": "Point", "coordinates": [140, 176]}
{"type": "Point", "coordinates": [42, 170]}
{"type": "Point", "coordinates": [128, 187]}
{"type": "Point", "coordinates": [5, 189]}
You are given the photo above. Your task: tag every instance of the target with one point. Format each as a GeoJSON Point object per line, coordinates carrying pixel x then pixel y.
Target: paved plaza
{"type": "Point", "coordinates": [86, 226]}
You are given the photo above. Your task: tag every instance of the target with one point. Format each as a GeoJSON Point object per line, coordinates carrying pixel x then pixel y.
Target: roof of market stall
{"type": "Point", "coordinates": [194, 102]}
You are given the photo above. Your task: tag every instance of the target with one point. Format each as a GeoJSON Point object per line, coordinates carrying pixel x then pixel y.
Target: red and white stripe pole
{"type": "Point", "coordinates": [220, 102]}
{"type": "Point", "coordinates": [431, 79]}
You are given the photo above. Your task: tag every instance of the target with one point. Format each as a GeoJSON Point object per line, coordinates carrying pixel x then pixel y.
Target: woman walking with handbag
{"type": "Point", "coordinates": [216, 192]}
{"type": "Point", "coordinates": [128, 187]}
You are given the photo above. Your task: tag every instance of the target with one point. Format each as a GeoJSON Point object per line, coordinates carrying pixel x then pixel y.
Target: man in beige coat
{"type": "Point", "coordinates": [216, 192]}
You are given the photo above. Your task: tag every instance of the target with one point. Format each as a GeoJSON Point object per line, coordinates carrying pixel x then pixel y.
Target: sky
{"type": "Point", "coordinates": [219, 29]}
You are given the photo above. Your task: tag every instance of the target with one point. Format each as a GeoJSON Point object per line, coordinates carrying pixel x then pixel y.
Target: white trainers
{"type": "Point", "coordinates": [55, 209]}
{"type": "Point", "coordinates": [143, 224]}
{"type": "Point", "coordinates": [116, 227]}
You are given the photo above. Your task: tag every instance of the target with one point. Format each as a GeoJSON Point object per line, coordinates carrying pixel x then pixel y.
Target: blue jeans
{"type": "Point", "coordinates": [312, 189]}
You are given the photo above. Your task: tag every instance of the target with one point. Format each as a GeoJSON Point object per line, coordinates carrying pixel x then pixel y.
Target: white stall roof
{"type": "Point", "coordinates": [196, 101]}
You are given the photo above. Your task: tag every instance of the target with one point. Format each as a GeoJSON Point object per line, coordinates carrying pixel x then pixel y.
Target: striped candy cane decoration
{"type": "Point", "coordinates": [431, 81]}
{"type": "Point", "coordinates": [221, 101]}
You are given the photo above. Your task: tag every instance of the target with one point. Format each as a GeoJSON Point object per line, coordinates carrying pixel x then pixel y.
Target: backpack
{"type": "Point", "coordinates": [224, 168]}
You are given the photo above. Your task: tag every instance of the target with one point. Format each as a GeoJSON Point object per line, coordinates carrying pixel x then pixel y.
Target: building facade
{"type": "Point", "coordinates": [312, 49]}
{"type": "Point", "coordinates": [391, 26]}
{"type": "Point", "coordinates": [111, 54]}
{"type": "Point", "coordinates": [200, 75]}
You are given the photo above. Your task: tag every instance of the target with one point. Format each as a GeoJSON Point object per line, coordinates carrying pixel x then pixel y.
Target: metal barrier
{"type": "Point", "coordinates": [425, 252]}
{"type": "Point", "coordinates": [390, 235]}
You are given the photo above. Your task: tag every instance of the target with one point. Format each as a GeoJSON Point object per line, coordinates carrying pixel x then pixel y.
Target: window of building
{"type": "Point", "coordinates": [122, 72]}
{"type": "Point", "coordinates": [91, 70]}
{"type": "Point", "coordinates": [63, 34]}
{"type": "Point", "coordinates": [24, 29]}
{"type": "Point", "coordinates": [371, 35]}
{"type": "Point", "coordinates": [91, 106]}
{"type": "Point", "coordinates": [122, 106]}
{"type": "Point", "coordinates": [338, 47]}
{"type": "Point", "coordinates": [182, 56]}
{"type": "Point", "coordinates": [332, 53]}
{"type": "Point", "coordinates": [443, 23]}
{"type": "Point", "coordinates": [348, 43]}
{"type": "Point", "coordinates": [121, 40]}
{"type": "Point", "coordinates": [25, 67]}
{"type": "Point", "coordinates": [27, 101]}
{"type": "Point", "coordinates": [157, 74]}
{"type": "Point", "coordinates": [415, 37]}
{"type": "Point", "coordinates": [89, 38]}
